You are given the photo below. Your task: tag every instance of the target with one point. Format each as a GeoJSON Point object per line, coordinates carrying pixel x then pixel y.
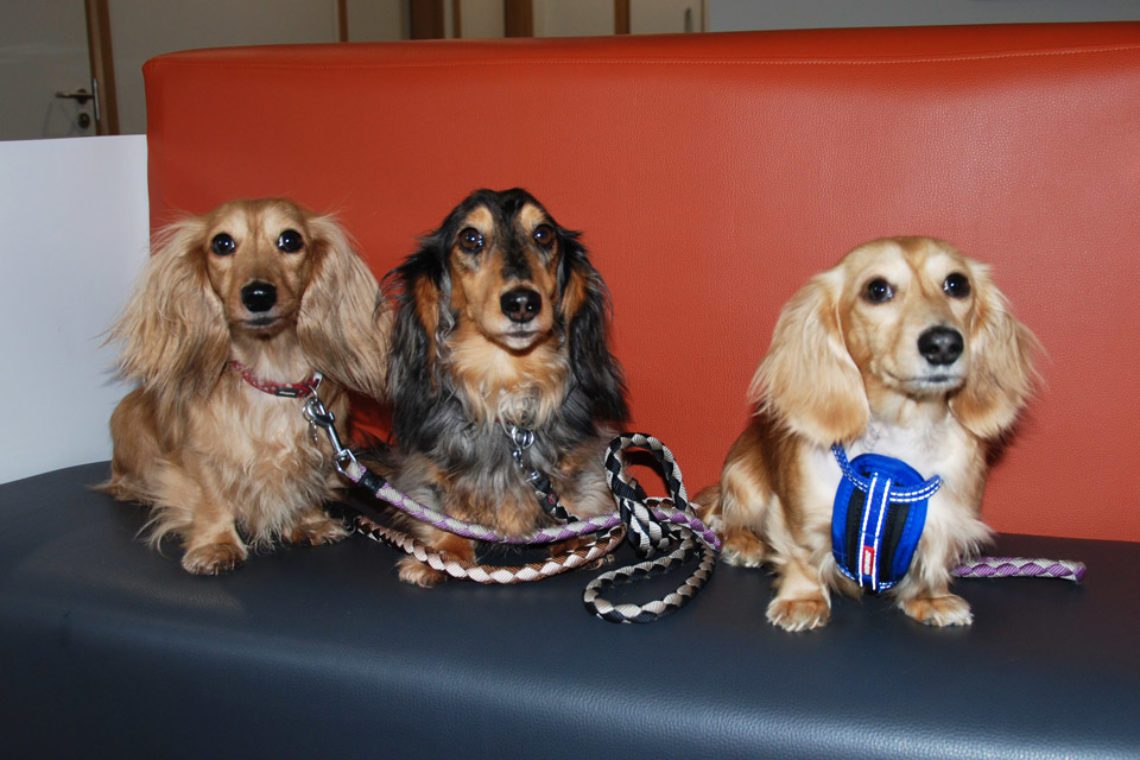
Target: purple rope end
{"type": "Point", "coordinates": [1021, 567]}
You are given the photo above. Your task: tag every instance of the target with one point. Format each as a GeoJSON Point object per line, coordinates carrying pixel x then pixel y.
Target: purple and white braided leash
{"type": "Point", "coordinates": [1020, 567]}
{"type": "Point", "coordinates": [356, 472]}
{"type": "Point", "coordinates": [648, 521]}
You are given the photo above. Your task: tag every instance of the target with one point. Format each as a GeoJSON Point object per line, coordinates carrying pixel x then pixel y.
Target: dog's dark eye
{"type": "Point", "coordinates": [878, 291]}
{"type": "Point", "coordinates": [290, 241]}
{"type": "Point", "coordinates": [544, 235]}
{"type": "Point", "coordinates": [956, 285]}
{"type": "Point", "coordinates": [222, 244]}
{"type": "Point", "coordinates": [471, 240]}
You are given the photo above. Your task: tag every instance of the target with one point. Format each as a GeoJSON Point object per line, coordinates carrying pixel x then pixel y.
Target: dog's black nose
{"type": "Point", "coordinates": [940, 345]}
{"type": "Point", "coordinates": [521, 304]}
{"type": "Point", "coordinates": [259, 296]}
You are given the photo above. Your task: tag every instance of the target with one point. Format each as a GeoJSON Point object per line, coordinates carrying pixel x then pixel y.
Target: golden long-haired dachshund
{"type": "Point", "coordinates": [500, 331]}
{"type": "Point", "coordinates": [906, 349]}
{"type": "Point", "coordinates": [236, 313]}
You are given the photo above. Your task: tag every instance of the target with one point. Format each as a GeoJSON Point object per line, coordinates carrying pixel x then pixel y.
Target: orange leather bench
{"type": "Point", "coordinates": [711, 176]}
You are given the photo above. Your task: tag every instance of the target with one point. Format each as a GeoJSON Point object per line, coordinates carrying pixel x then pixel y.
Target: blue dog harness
{"type": "Point", "coordinates": [878, 517]}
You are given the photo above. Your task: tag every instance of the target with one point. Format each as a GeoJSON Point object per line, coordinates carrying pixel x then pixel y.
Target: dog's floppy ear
{"type": "Point", "coordinates": [344, 323]}
{"type": "Point", "coordinates": [173, 330]}
{"type": "Point", "coordinates": [584, 308]}
{"type": "Point", "coordinates": [1001, 373]}
{"type": "Point", "coordinates": [421, 287]}
{"type": "Point", "coordinates": [808, 381]}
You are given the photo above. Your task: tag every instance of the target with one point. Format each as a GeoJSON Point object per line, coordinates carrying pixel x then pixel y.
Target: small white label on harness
{"type": "Point", "coordinates": [868, 560]}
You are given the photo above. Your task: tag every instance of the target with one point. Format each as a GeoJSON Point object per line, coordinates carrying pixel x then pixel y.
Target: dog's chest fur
{"type": "Point", "coordinates": [479, 477]}
{"type": "Point", "coordinates": [264, 457]}
{"type": "Point", "coordinates": [930, 447]}
{"type": "Point", "coordinates": [496, 385]}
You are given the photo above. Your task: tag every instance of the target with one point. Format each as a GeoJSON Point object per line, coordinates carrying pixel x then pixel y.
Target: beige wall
{"type": "Point", "coordinates": [376, 20]}
{"type": "Point", "coordinates": [481, 19]}
{"type": "Point", "coordinates": [142, 29]}
{"type": "Point", "coordinates": [735, 15]}
{"type": "Point", "coordinates": [580, 18]}
{"type": "Point", "coordinates": [43, 49]}
{"type": "Point", "coordinates": [583, 18]}
{"type": "Point", "coordinates": [43, 42]}
{"type": "Point", "coordinates": [665, 16]}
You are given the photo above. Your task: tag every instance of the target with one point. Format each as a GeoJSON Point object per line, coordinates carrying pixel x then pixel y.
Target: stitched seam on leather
{"type": "Point", "coordinates": [655, 61]}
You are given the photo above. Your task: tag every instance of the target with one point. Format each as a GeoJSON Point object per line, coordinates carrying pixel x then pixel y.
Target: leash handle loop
{"type": "Point", "coordinates": [648, 521]}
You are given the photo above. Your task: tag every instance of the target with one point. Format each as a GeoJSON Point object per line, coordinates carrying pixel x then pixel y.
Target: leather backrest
{"type": "Point", "coordinates": [712, 174]}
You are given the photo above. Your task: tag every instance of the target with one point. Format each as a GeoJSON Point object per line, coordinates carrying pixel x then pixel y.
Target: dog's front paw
{"type": "Point", "coordinates": [743, 548]}
{"type": "Point", "coordinates": [213, 559]}
{"type": "Point", "coordinates": [942, 610]}
{"type": "Point", "coordinates": [802, 614]}
{"type": "Point", "coordinates": [412, 571]}
{"type": "Point", "coordinates": [317, 529]}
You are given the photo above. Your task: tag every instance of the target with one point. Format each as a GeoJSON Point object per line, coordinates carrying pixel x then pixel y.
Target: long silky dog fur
{"type": "Point", "coordinates": [456, 379]}
{"type": "Point", "coordinates": [225, 466]}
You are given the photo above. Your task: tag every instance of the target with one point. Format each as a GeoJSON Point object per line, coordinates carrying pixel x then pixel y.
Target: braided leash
{"type": "Point", "coordinates": [1021, 567]}
{"type": "Point", "coordinates": [385, 491]}
{"type": "Point", "coordinates": [358, 474]}
{"type": "Point", "coordinates": [603, 542]}
{"type": "Point", "coordinates": [653, 610]}
{"type": "Point", "coordinates": [653, 525]}
{"type": "Point", "coordinates": [589, 552]}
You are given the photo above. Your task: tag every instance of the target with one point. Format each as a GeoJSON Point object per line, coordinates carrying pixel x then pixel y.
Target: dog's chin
{"type": "Point", "coordinates": [924, 382]}
{"type": "Point", "coordinates": [520, 341]}
{"type": "Point", "coordinates": [263, 327]}
{"type": "Point", "coordinates": [933, 383]}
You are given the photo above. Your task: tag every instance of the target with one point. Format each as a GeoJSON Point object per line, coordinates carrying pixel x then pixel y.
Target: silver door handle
{"type": "Point", "coordinates": [81, 95]}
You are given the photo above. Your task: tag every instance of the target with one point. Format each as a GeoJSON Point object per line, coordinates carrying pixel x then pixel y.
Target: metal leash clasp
{"type": "Point", "coordinates": [521, 439]}
{"type": "Point", "coordinates": [319, 416]}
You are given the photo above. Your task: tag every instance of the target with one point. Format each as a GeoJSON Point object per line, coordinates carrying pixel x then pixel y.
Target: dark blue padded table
{"type": "Point", "coordinates": [109, 649]}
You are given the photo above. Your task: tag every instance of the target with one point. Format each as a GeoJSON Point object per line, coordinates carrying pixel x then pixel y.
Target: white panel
{"type": "Point", "coordinates": [74, 215]}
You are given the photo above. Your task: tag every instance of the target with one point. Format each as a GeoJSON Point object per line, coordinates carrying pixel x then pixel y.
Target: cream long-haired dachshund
{"type": "Point", "coordinates": [236, 313]}
{"type": "Point", "coordinates": [905, 349]}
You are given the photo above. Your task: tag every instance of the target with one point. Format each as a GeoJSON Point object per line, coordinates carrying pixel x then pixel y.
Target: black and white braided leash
{"type": "Point", "coordinates": [647, 522]}
{"type": "Point", "coordinates": [653, 526]}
